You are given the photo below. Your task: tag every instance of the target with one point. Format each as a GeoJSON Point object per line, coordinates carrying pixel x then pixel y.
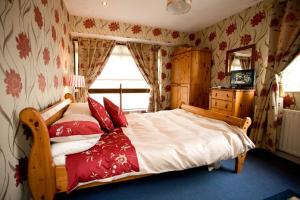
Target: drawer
{"type": "Point", "coordinates": [222, 94]}
{"type": "Point", "coordinates": [220, 104]}
{"type": "Point", "coordinates": [225, 112]}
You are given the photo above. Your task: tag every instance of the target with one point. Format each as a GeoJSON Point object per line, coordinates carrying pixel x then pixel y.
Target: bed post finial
{"type": "Point", "coordinates": [70, 96]}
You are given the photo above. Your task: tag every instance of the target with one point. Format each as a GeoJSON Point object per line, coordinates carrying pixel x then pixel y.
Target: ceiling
{"type": "Point", "coordinates": [153, 12]}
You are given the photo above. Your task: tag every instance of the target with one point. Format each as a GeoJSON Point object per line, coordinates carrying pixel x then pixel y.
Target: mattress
{"type": "Point", "coordinates": [177, 139]}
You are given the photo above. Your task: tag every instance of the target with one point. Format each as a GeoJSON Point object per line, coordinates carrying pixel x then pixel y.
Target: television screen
{"type": "Point", "coordinates": [242, 79]}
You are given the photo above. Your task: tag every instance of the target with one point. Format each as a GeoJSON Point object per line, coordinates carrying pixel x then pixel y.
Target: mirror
{"type": "Point", "coordinates": [240, 59]}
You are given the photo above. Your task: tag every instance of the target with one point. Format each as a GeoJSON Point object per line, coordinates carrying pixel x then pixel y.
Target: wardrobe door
{"type": "Point", "coordinates": [175, 71]}
{"type": "Point", "coordinates": [185, 64]}
{"type": "Point", "coordinates": [184, 94]}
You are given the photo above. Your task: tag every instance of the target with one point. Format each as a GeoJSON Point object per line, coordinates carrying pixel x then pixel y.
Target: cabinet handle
{"type": "Point", "coordinates": [215, 103]}
{"type": "Point", "coordinates": [226, 106]}
{"type": "Point", "coordinates": [216, 94]}
{"type": "Point", "coordinates": [227, 95]}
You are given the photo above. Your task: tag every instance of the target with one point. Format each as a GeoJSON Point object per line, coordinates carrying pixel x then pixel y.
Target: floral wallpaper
{"type": "Point", "coordinates": [165, 79]}
{"type": "Point", "coordinates": [250, 26]}
{"type": "Point", "coordinates": [120, 29]}
{"type": "Point", "coordinates": [35, 54]}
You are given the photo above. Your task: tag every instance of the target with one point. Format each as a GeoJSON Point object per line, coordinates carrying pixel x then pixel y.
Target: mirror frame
{"type": "Point", "coordinates": [252, 47]}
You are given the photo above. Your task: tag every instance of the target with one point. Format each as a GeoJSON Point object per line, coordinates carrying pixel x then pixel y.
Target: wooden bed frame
{"type": "Point", "coordinates": [46, 179]}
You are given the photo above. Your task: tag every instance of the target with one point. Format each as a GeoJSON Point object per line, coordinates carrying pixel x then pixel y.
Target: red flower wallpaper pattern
{"type": "Point", "coordinates": [42, 82]}
{"type": "Point", "coordinates": [46, 56]}
{"type": "Point", "coordinates": [168, 65]}
{"type": "Point", "coordinates": [56, 16]}
{"type": "Point", "coordinates": [290, 17]}
{"type": "Point", "coordinates": [55, 81]}
{"type": "Point", "coordinates": [53, 31]}
{"type": "Point", "coordinates": [192, 37]}
{"type": "Point", "coordinates": [221, 75]}
{"type": "Point", "coordinates": [13, 83]}
{"type": "Point", "coordinates": [38, 17]}
{"type": "Point", "coordinates": [258, 18]}
{"type": "Point", "coordinates": [136, 29]}
{"type": "Point", "coordinates": [168, 88]}
{"type": "Point", "coordinates": [246, 39]}
{"type": "Point", "coordinates": [175, 34]}
{"type": "Point", "coordinates": [197, 42]}
{"type": "Point", "coordinates": [23, 45]}
{"type": "Point", "coordinates": [230, 29]}
{"type": "Point", "coordinates": [222, 46]}
{"type": "Point", "coordinates": [156, 32]}
{"type": "Point", "coordinates": [44, 2]}
{"type": "Point", "coordinates": [89, 23]}
{"type": "Point", "coordinates": [58, 62]}
{"type": "Point", "coordinates": [212, 36]}
{"type": "Point", "coordinates": [114, 26]}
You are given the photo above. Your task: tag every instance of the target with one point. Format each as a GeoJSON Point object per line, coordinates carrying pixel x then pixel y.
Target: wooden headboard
{"type": "Point", "coordinates": [41, 171]}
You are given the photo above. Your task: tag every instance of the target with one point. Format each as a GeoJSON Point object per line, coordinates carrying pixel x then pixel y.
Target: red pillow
{"type": "Point", "coordinates": [115, 113]}
{"type": "Point", "coordinates": [99, 112]}
{"type": "Point", "coordinates": [74, 127]}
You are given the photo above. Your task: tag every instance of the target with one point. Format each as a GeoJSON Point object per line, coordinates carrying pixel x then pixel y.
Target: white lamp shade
{"type": "Point", "coordinates": [76, 81]}
{"type": "Point", "coordinates": [178, 6]}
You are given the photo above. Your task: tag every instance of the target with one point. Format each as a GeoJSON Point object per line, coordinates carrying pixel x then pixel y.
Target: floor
{"type": "Point", "coordinates": [263, 176]}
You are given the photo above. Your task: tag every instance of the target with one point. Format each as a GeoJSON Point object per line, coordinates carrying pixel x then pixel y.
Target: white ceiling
{"type": "Point", "coordinates": [153, 12]}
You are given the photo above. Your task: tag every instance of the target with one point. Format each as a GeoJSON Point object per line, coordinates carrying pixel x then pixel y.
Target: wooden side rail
{"type": "Point", "coordinates": [244, 124]}
{"type": "Point", "coordinates": [41, 169]}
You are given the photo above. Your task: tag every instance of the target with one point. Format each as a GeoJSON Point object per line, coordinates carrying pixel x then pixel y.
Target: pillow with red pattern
{"type": "Point", "coordinates": [74, 127]}
{"type": "Point", "coordinates": [115, 113]}
{"type": "Point", "coordinates": [99, 112]}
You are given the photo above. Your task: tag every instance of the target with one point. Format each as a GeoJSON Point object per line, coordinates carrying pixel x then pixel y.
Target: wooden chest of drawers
{"type": "Point", "coordinates": [233, 102]}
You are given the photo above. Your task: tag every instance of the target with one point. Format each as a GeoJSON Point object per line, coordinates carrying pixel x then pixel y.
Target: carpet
{"type": "Point", "coordinates": [284, 195]}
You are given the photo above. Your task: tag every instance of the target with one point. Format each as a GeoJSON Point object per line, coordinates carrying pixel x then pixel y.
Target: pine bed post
{"type": "Point", "coordinates": [70, 96]}
{"type": "Point", "coordinates": [239, 161]}
{"type": "Point", "coordinates": [41, 170]}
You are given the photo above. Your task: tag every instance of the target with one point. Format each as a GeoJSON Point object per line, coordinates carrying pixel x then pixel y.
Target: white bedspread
{"type": "Point", "coordinates": [177, 140]}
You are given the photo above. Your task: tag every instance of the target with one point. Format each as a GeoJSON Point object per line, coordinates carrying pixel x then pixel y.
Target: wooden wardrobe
{"type": "Point", "coordinates": [190, 77]}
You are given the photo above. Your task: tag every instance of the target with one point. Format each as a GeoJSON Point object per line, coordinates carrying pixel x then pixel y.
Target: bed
{"type": "Point", "coordinates": [159, 148]}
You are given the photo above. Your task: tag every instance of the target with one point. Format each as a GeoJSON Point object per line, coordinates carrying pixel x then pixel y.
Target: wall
{"type": "Point", "coordinates": [35, 53]}
{"type": "Point", "coordinates": [93, 27]}
{"type": "Point", "coordinates": [250, 26]}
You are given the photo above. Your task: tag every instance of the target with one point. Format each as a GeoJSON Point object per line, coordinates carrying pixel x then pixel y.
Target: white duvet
{"type": "Point", "coordinates": [177, 140]}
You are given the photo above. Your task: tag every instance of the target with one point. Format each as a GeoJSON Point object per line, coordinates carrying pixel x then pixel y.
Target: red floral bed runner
{"type": "Point", "coordinates": [112, 155]}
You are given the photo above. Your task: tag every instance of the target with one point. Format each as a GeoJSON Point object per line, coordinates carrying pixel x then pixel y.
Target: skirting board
{"type": "Point", "coordinates": [288, 157]}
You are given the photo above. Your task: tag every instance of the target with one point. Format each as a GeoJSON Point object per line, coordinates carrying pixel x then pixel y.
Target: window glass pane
{"type": "Point", "coordinates": [290, 76]}
{"type": "Point", "coordinates": [135, 101]}
{"type": "Point", "coordinates": [121, 69]}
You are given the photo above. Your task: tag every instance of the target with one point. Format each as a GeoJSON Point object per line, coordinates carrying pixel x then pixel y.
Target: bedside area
{"type": "Point", "coordinates": [235, 102]}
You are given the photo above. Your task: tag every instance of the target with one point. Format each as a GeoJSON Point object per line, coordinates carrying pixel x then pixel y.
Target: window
{"type": "Point", "coordinates": [121, 69]}
{"type": "Point", "coordinates": [290, 76]}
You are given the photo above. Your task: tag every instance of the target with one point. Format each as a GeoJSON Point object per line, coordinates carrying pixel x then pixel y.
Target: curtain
{"type": "Point", "coordinates": [284, 45]}
{"type": "Point", "coordinates": [245, 62]}
{"type": "Point", "coordinates": [145, 57]}
{"type": "Point", "coordinates": [92, 57]}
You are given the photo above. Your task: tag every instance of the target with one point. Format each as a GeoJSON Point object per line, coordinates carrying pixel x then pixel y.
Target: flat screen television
{"type": "Point", "coordinates": [243, 79]}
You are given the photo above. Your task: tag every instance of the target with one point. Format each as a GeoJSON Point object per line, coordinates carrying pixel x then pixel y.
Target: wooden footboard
{"type": "Point", "coordinates": [244, 124]}
{"type": "Point", "coordinates": [46, 179]}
